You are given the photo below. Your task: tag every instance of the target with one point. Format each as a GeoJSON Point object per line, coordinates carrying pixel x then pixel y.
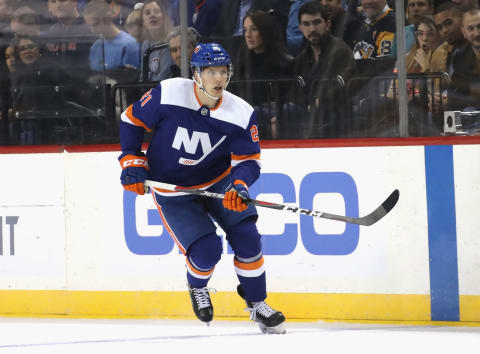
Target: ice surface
{"type": "Point", "coordinates": [91, 336]}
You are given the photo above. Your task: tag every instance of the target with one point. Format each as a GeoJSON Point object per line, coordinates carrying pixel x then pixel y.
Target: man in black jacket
{"type": "Point", "coordinates": [465, 86]}
{"type": "Point", "coordinates": [319, 64]}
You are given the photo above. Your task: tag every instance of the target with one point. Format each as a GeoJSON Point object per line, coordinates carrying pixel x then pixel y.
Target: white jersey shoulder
{"type": "Point", "coordinates": [178, 92]}
{"type": "Point", "coordinates": [234, 110]}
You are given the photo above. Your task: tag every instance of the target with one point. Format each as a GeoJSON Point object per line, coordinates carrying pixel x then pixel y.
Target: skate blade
{"type": "Point", "coordinates": [279, 329]}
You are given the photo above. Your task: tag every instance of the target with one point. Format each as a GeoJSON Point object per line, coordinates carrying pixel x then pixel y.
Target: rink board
{"type": "Point", "coordinates": [74, 243]}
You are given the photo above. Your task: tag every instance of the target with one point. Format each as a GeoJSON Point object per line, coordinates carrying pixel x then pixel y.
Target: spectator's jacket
{"type": "Point", "coordinates": [206, 16]}
{"type": "Point", "coordinates": [442, 58]}
{"type": "Point", "coordinates": [375, 38]}
{"type": "Point", "coordinates": [69, 46]}
{"type": "Point", "coordinates": [464, 90]}
{"type": "Point", "coordinates": [116, 53]}
{"type": "Point", "coordinates": [251, 66]}
{"type": "Point", "coordinates": [159, 63]}
{"type": "Point", "coordinates": [335, 59]}
{"type": "Point", "coordinates": [33, 86]}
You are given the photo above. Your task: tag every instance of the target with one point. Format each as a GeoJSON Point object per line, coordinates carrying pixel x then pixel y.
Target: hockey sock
{"type": "Point", "coordinates": [245, 242]}
{"type": "Point", "coordinates": [201, 258]}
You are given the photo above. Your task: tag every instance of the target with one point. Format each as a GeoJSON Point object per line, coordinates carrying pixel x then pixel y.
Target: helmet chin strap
{"type": "Point", "coordinates": [200, 85]}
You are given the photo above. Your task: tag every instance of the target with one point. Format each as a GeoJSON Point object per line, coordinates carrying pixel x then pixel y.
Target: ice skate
{"type": "Point", "coordinates": [268, 320]}
{"type": "Point", "coordinates": [201, 303]}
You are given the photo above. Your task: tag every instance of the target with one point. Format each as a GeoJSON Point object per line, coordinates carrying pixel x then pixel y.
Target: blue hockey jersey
{"type": "Point", "coordinates": [192, 145]}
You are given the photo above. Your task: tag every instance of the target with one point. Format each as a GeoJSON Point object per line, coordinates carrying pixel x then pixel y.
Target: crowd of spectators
{"type": "Point", "coordinates": [55, 53]}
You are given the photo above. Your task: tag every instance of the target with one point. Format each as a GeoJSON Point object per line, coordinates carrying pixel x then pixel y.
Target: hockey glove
{"type": "Point", "coordinates": [236, 196]}
{"type": "Point", "coordinates": [134, 171]}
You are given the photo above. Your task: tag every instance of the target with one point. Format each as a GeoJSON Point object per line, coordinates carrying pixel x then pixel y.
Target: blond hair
{"type": "Point", "coordinates": [167, 21]}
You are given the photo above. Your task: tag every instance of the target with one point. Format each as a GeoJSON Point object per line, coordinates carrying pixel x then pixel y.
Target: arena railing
{"type": "Point", "coordinates": [362, 107]}
{"type": "Point", "coordinates": [374, 110]}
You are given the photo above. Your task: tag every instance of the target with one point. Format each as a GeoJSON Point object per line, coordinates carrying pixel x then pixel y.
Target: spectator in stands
{"type": "Point", "coordinates": [323, 59]}
{"type": "Point", "coordinates": [448, 19]}
{"type": "Point", "coordinates": [427, 41]}
{"type": "Point", "coordinates": [25, 22]}
{"type": "Point", "coordinates": [33, 82]}
{"type": "Point", "coordinates": [6, 8]}
{"type": "Point", "coordinates": [134, 25]}
{"type": "Point", "coordinates": [232, 13]}
{"type": "Point", "coordinates": [466, 5]}
{"type": "Point", "coordinates": [375, 37]}
{"type": "Point", "coordinates": [5, 96]}
{"type": "Point", "coordinates": [295, 39]}
{"type": "Point", "coordinates": [157, 24]}
{"type": "Point", "coordinates": [229, 27]}
{"type": "Point", "coordinates": [67, 41]}
{"type": "Point", "coordinates": [262, 57]}
{"type": "Point", "coordinates": [120, 11]}
{"type": "Point", "coordinates": [6, 35]}
{"type": "Point", "coordinates": [117, 49]}
{"type": "Point", "coordinates": [206, 16]}
{"type": "Point", "coordinates": [416, 9]}
{"type": "Point", "coordinates": [40, 8]}
{"type": "Point", "coordinates": [464, 93]}
{"type": "Point", "coordinates": [337, 17]}
{"type": "Point", "coordinates": [418, 60]}
{"type": "Point", "coordinates": [10, 58]}
{"type": "Point", "coordinates": [174, 43]}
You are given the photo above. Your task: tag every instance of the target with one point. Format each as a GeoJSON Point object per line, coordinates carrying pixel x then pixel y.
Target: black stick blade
{"type": "Point", "coordinates": [382, 210]}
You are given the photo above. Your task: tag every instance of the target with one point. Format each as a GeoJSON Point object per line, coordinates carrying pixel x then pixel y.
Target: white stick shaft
{"type": "Point", "coordinates": [155, 184]}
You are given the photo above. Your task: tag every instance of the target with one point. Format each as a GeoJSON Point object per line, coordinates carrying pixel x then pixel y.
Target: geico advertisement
{"type": "Point", "coordinates": [105, 238]}
{"type": "Point", "coordinates": [308, 254]}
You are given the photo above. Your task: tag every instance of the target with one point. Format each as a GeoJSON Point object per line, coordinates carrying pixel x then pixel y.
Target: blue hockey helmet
{"type": "Point", "coordinates": [210, 54]}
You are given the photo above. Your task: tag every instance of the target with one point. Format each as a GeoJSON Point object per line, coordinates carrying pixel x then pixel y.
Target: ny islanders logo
{"type": "Point", "coordinates": [191, 145]}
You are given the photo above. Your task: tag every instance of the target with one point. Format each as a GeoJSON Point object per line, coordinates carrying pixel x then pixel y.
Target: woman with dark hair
{"type": "Point", "coordinates": [427, 40]}
{"type": "Point", "coordinates": [36, 88]}
{"type": "Point", "coordinates": [262, 56]}
{"type": "Point", "coordinates": [420, 95]}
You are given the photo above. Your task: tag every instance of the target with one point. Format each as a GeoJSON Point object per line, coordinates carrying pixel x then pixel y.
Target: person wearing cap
{"type": "Point", "coordinates": [25, 22]}
{"type": "Point", "coordinates": [203, 137]}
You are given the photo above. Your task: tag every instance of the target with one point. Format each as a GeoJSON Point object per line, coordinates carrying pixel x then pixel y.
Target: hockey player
{"type": "Point", "coordinates": [203, 137]}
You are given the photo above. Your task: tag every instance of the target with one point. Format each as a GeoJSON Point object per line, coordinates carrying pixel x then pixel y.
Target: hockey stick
{"type": "Point", "coordinates": [366, 220]}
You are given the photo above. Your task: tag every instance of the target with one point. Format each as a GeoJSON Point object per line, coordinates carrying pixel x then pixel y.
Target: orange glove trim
{"type": "Point", "coordinates": [134, 161]}
{"type": "Point", "coordinates": [138, 188]}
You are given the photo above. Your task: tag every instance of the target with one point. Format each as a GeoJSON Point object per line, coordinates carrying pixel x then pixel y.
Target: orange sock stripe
{"type": "Point", "coordinates": [196, 271]}
{"type": "Point", "coordinates": [249, 266]}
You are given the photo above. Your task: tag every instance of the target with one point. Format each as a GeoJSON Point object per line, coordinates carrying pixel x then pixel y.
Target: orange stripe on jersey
{"type": "Point", "coordinates": [165, 224]}
{"type": "Point", "coordinates": [249, 266]}
{"type": "Point", "coordinates": [239, 181]}
{"type": "Point", "coordinates": [196, 271]}
{"type": "Point", "coordinates": [198, 186]}
{"type": "Point", "coordinates": [246, 157]}
{"type": "Point", "coordinates": [200, 103]}
{"type": "Point", "coordinates": [135, 121]}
